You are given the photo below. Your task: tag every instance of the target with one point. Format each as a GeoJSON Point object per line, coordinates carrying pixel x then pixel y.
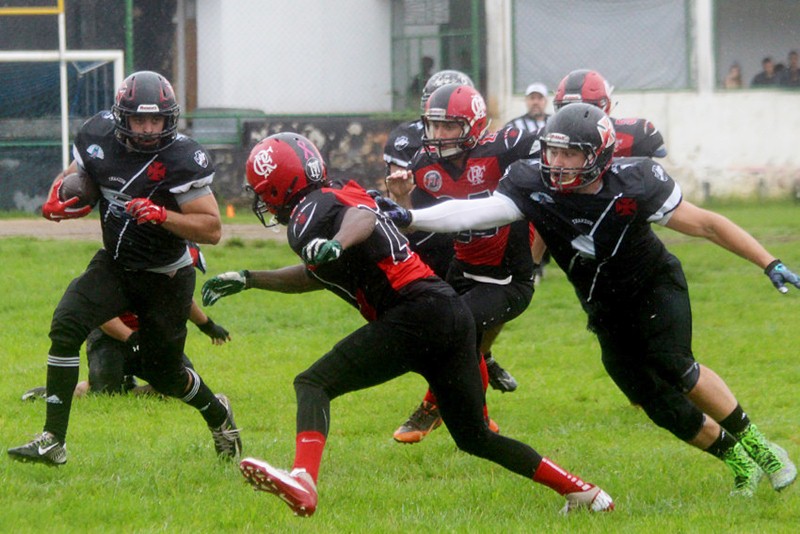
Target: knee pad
{"type": "Point", "coordinates": [674, 412]}
{"type": "Point", "coordinates": [690, 377]}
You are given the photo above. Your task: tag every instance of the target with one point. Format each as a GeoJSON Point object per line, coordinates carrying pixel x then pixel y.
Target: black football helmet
{"type": "Point", "coordinates": [586, 128]}
{"type": "Point", "coordinates": [583, 85]}
{"type": "Point", "coordinates": [281, 170]}
{"type": "Point", "coordinates": [459, 104]}
{"type": "Point", "coordinates": [438, 79]}
{"type": "Point", "coordinates": [146, 92]}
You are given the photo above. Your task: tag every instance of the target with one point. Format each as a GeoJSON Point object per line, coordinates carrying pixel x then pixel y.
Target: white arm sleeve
{"type": "Point", "coordinates": [475, 214]}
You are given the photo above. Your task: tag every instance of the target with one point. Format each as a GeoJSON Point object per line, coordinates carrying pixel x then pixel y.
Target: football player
{"type": "Point", "coordinates": [595, 214]}
{"type": "Point", "coordinates": [156, 195]}
{"type": "Point", "coordinates": [415, 322]}
{"type": "Point", "coordinates": [491, 269]}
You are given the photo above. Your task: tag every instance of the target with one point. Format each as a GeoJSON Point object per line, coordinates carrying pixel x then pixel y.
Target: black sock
{"type": "Point", "coordinates": [737, 422]}
{"type": "Point", "coordinates": [202, 398]}
{"type": "Point", "coordinates": [62, 377]}
{"type": "Point", "coordinates": [722, 444]}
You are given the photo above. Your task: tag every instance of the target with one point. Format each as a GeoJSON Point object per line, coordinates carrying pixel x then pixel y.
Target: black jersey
{"type": "Point", "coordinates": [180, 169]}
{"type": "Point", "coordinates": [373, 275]}
{"type": "Point", "coordinates": [498, 254]}
{"type": "Point", "coordinates": [403, 142]}
{"type": "Point", "coordinates": [603, 242]}
{"type": "Point", "coordinates": [638, 138]}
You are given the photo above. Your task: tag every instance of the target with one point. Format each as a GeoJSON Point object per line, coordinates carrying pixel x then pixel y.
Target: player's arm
{"type": "Point", "coordinates": [697, 222]}
{"type": "Point", "coordinates": [117, 329]}
{"type": "Point", "coordinates": [292, 279]}
{"type": "Point", "coordinates": [218, 334]}
{"type": "Point", "coordinates": [197, 221]}
{"type": "Point", "coordinates": [357, 225]}
{"type": "Point", "coordinates": [457, 215]}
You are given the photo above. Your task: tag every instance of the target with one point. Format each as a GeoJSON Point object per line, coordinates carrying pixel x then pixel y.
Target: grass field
{"type": "Point", "coordinates": [146, 465]}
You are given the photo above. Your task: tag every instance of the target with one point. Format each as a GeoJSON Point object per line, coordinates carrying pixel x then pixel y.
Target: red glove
{"type": "Point", "coordinates": [145, 210]}
{"type": "Point", "coordinates": [55, 210]}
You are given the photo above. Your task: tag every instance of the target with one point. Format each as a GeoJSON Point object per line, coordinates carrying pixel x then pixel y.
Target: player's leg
{"type": "Point", "coordinates": [162, 304]}
{"type": "Point", "coordinates": [91, 299]}
{"type": "Point", "coordinates": [106, 357]}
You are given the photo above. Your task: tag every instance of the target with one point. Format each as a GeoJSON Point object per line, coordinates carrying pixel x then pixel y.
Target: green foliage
{"type": "Point", "coordinates": [147, 465]}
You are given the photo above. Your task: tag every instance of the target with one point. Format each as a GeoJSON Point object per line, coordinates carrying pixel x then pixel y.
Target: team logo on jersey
{"type": "Point", "coordinates": [201, 159]}
{"type": "Point", "coordinates": [95, 152]}
{"type": "Point", "coordinates": [401, 142]}
{"type": "Point", "coordinates": [626, 207]}
{"type": "Point", "coordinates": [542, 198]}
{"type": "Point", "coordinates": [432, 181]}
{"type": "Point", "coordinates": [156, 171]}
{"type": "Point", "coordinates": [475, 174]}
{"type": "Point", "coordinates": [658, 172]}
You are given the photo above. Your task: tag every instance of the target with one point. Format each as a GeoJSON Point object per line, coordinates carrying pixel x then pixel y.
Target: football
{"type": "Point", "coordinates": [79, 185]}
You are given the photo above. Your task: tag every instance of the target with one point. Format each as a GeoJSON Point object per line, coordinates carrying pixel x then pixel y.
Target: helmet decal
{"type": "Point", "coordinates": [263, 164]}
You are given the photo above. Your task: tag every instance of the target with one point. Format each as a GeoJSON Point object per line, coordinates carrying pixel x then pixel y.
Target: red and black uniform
{"type": "Point", "coordinates": [638, 138]}
{"type": "Point", "coordinates": [492, 269]}
{"type": "Point", "coordinates": [632, 288]}
{"type": "Point", "coordinates": [416, 322]}
{"type": "Point", "coordinates": [436, 249]}
{"type": "Point", "coordinates": [142, 268]}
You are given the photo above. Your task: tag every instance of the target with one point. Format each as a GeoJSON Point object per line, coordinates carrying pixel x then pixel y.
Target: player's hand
{"type": "Point", "coordinates": [56, 210]}
{"type": "Point", "coordinates": [145, 210]}
{"type": "Point", "coordinates": [780, 275]}
{"type": "Point", "coordinates": [218, 334]}
{"type": "Point", "coordinates": [133, 341]}
{"type": "Point", "coordinates": [400, 183]}
{"type": "Point", "coordinates": [223, 285]}
{"type": "Point", "coordinates": [319, 251]}
{"type": "Point", "coordinates": [400, 216]}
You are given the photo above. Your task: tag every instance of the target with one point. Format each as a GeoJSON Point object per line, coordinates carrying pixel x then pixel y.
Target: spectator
{"type": "Point", "coordinates": [790, 77]}
{"type": "Point", "coordinates": [419, 81]}
{"type": "Point", "coordinates": [733, 80]}
{"type": "Point", "coordinates": [536, 117]}
{"type": "Point", "coordinates": [767, 77]}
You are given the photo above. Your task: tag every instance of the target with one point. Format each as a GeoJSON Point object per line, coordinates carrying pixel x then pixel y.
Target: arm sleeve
{"type": "Point", "coordinates": [476, 214]}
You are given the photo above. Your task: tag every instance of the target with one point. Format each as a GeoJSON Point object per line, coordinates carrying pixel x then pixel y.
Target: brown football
{"type": "Point", "coordinates": [79, 185]}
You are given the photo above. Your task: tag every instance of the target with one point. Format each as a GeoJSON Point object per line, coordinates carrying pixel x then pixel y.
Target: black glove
{"type": "Point", "coordinates": [133, 341]}
{"type": "Point", "coordinates": [214, 331]}
{"type": "Point", "coordinates": [396, 213]}
{"type": "Point", "coordinates": [780, 275]}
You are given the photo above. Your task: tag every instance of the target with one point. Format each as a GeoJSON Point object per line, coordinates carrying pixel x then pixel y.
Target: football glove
{"type": "Point", "coordinates": [396, 213]}
{"type": "Point", "coordinates": [56, 210]}
{"type": "Point", "coordinates": [145, 210]}
{"type": "Point", "coordinates": [779, 275]}
{"type": "Point", "coordinates": [217, 333]}
{"type": "Point", "coordinates": [133, 341]}
{"type": "Point", "coordinates": [319, 251]}
{"type": "Point", "coordinates": [223, 285]}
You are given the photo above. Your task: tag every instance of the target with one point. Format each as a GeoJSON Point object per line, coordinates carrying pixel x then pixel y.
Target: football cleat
{"type": "Point", "coordinates": [499, 378]}
{"type": "Point", "coordinates": [226, 437]}
{"type": "Point", "coordinates": [592, 499]}
{"type": "Point", "coordinates": [773, 459]}
{"type": "Point", "coordinates": [746, 473]}
{"type": "Point", "coordinates": [423, 421]}
{"type": "Point", "coordinates": [39, 392]}
{"type": "Point", "coordinates": [45, 449]}
{"type": "Point", "coordinates": [297, 489]}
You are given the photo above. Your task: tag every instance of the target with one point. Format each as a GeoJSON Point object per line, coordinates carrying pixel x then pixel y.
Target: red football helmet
{"type": "Point", "coordinates": [459, 104]}
{"type": "Point", "coordinates": [281, 170]}
{"type": "Point", "coordinates": [145, 92]}
{"type": "Point", "coordinates": [583, 86]}
{"type": "Point", "coordinates": [584, 127]}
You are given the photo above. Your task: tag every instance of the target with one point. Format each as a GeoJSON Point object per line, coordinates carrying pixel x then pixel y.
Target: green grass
{"type": "Point", "coordinates": [146, 465]}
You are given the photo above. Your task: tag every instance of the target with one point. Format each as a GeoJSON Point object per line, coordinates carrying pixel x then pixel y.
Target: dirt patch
{"type": "Point", "coordinates": [89, 229]}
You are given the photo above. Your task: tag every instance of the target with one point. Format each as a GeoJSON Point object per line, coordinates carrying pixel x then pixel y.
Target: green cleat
{"type": "Point", "coordinates": [773, 459]}
{"type": "Point", "coordinates": [746, 472]}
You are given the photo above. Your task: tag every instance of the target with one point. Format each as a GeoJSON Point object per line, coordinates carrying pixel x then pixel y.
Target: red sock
{"type": "Point", "coordinates": [429, 397]}
{"type": "Point", "coordinates": [308, 452]}
{"type": "Point", "coordinates": [554, 477]}
{"type": "Point", "coordinates": [484, 373]}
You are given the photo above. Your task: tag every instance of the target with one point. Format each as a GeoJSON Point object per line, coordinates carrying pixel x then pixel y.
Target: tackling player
{"type": "Point", "coordinates": [416, 322]}
{"type": "Point", "coordinates": [595, 215]}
